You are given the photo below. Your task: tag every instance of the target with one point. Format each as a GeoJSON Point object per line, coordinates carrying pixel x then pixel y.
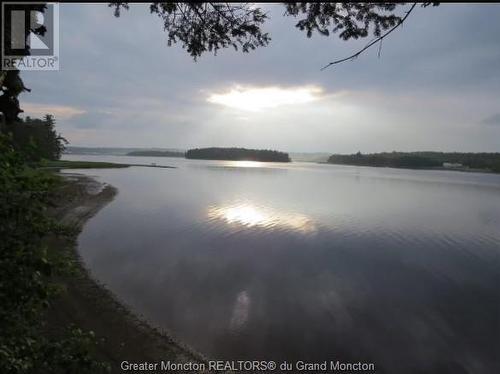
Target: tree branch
{"type": "Point", "coordinates": [379, 39]}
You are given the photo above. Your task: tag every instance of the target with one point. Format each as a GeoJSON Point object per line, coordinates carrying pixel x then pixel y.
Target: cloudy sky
{"type": "Point", "coordinates": [436, 86]}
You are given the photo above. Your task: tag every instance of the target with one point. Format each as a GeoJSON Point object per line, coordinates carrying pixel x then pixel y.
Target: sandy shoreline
{"type": "Point", "coordinates": [88, 305]}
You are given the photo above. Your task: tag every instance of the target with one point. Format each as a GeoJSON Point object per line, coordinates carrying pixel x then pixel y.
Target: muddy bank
{"type": "Point", "coordinates": [121, 336]}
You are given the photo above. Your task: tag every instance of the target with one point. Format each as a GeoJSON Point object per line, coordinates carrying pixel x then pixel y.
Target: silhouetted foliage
{"type": "Point", "coordinates": [11, 84]}
{"type": "Point", "coordinates": [202, 27]}
{"type": "Point", "coordinates": [486, 161]}
{"type": "Point", "coordinates": [37, 138]}
{"type": "Point", "coordinates": [237, 154]}
{"type": "Point", "coordinates": [350, 20]}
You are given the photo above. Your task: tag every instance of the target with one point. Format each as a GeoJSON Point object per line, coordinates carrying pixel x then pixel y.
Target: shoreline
{"type": "Point", "coordinates": [89, 305]}
{"type": "Point", "coordinates": [439, 168]}
{"type": "Point", "coordinates": [68, 164]}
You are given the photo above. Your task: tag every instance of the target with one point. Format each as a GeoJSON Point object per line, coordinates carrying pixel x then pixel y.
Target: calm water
{"type": "Point", "coordinates": [307, 261]}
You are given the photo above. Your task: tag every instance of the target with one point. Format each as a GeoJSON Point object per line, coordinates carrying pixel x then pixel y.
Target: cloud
{"type": "Point", "coordinates": [90, 120]}
{"type": "Point", "coordinates": [59, 111]}
{"type": "Point", "coordinates": [259, 98]}
{"type": "Point", "coordinates": [493, 120]}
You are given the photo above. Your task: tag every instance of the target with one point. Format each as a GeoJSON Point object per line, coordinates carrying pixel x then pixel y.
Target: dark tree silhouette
{"type": "Point", "coordinates": [11, 84]}
{"type": "Point", "coordinates": [37, 138]}
{"type": "Point", "coordinates": [349, 20]}
{"type": "Point", "coordinates": [202, 27]}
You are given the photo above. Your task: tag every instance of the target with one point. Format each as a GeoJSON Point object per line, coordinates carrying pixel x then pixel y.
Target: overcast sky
{"type": "Point", "coordinates": [436, 86]}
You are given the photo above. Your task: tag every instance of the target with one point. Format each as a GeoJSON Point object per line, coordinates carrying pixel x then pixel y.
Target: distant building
{"type": "Point", "coordinates": [452, 165]}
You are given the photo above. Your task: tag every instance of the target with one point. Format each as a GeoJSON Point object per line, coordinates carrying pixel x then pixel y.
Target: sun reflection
{"type": "Point", "coordinates": [252, 216]}
{"type": "Point", "coordinates": [244, 164]}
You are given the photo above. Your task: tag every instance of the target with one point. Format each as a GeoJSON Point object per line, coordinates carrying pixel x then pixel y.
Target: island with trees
{"type": "Point", "coordinates": [237, 154]}
{"type": "Point", "coordinates": [156, 153]}
{"type": "Point", "coordinates": [489, 162]}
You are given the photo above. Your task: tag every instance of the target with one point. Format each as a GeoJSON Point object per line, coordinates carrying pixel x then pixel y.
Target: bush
{"type": "Point", "coordinates": [25, 275]}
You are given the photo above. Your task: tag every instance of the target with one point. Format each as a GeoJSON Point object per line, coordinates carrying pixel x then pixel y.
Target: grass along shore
{"type": "Point", "coordinates": [84, 303]}
{"type": "Point", "coordinates": [67, 164]}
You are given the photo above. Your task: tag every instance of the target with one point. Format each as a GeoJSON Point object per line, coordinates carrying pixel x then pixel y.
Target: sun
{"type": "Point", "coordinates": [259, 98]}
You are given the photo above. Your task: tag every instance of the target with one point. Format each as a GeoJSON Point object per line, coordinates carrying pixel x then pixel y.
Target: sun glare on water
{"type": "Point", "coordinates": [245, 215]}
{"type": "Point", "coordinates": [252, 216]}
{"type": "Point", "coordinates": [244, 164]}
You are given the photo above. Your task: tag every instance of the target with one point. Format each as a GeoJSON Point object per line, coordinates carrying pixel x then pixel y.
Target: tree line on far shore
{"type": "Point", "coordinates": [484, 161]}
{"type": "Point", "coordinates": [237, 154]}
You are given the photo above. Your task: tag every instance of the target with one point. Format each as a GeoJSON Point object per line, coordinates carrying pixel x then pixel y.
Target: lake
{"type": "Point", "coordinates": [303, 261]}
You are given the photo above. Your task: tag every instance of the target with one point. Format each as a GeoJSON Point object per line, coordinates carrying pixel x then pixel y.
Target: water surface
{"type": "Point", "coordinates": [307, 261]}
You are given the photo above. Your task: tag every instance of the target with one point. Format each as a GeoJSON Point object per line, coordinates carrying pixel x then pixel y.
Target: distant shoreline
{"type": "Point", "coordinates": [68, 164]}
{"type": "Point", "coordinates": [468, 162]}
{"type": "Point", "coordinates": [439, 168]}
